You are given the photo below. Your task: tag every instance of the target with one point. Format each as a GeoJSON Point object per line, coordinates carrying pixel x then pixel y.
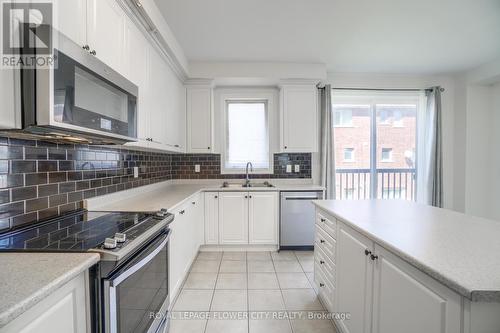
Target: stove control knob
{"type": "Point", "coordinates": [110, 243]}
{"type": "Point", "coordinates": [120, 237]}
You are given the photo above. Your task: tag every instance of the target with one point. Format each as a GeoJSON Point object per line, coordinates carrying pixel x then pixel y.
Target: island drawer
{"type": "Point", "coordinates": [323, 262]}
{"type": "Point", "coordinates": [326, 290]}
{"type": "Point", "coordinates": [324, 241]}
{"type": "Point", "coordinates": [328, 223]}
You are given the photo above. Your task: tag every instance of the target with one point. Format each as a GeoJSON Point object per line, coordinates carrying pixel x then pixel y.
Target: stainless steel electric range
{"type": "Point", "coordinates": [129, 287]}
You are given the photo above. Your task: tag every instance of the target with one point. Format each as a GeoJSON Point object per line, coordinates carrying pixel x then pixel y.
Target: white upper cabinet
{"type": "Point", "coordinates": [72, 20]}
{"type": "Point", "coordinates": [355, 272]}
{"type": "Point", "coordinates": [137, 61]}
{"type": "Point", "coordinates": [175, 95]}
{"type": "Point", "coordinates": [233, 218]}
{"type": "Point", "coordinates": [166, 105]}
{"type": "Point", "coordinates": [106, 25]}
{"type": "Point", "coordinates": [159, 103]}
{"type": "Point", "coordinates": [433, 308]}
{"type": "Point", "coordinates": [97, 26]}
{"type": "Point", "coordinates": [199, 119]}
{"type": "Point", "coordinates": [263, 217]}
{"type": "Point", "coordinates": [299, 118]}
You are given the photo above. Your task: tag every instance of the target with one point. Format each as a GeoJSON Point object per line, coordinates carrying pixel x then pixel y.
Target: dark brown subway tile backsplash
{"type": "Point", "coordinates": [39, 180]}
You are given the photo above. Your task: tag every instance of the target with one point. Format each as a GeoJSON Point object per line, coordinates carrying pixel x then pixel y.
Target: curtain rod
{"type": "Point", "coordinates": [375, 89]}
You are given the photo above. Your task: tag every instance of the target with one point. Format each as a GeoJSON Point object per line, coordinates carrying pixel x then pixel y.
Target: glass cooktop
{"type": "Point", "coordinates": [79, 231]}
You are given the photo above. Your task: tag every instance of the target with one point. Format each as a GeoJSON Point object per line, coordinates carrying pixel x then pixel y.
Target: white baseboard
{"type": "Point", "coordinates": [238, 248]}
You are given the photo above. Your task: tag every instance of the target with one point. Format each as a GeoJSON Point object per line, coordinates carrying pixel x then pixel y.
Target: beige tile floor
{"type": "Point", "coordinates": [252, 292]}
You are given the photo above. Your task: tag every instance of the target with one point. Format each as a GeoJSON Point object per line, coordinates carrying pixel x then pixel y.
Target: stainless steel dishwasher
{"type": "Point", "coordinates": [297, 220]}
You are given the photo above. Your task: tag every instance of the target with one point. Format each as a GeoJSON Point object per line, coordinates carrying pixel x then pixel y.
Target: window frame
{"type": "Point", "coordinates": [342, 123]}
{"type": "Point", "coordinates": [243, 95]}
{"type": "Point", "coordinates": [374, 98]}
{"type": "Point", "coordinates": [390, 151]}
{"type": "Point", "coordinates": [353, 156]}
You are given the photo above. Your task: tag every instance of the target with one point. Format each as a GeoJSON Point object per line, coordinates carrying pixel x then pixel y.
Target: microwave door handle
{"type": "Point", "coordinates": [144, 261]}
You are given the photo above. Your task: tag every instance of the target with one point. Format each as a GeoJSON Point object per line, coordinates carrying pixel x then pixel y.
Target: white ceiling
{"type": "Point", "coordinates": [389, 36]}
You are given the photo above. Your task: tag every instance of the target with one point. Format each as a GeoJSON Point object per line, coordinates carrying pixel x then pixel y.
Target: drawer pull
{"type": "Point", "coordinates": [182, 212]}
{"type": "Point", "coordinates": [321, 262]}
{"type": "Point", "coordinates": [367, 252]}
{"type": "Point", "coordinates": [322, 241]}
{"type": "Point", "coordinates": [323, 220]}
{"type": "Point", "coordinates": [374, 257]}
{"type": "Point", "coordinates": [322, 285]}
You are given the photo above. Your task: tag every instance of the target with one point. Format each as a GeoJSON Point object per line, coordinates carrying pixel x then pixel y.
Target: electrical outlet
{"type": "Point", "coordinates": [297, 168]}
{"type": "Point", "coordinates": [288, 168]}
{"type": "Point", "coordinates": [136, 172]}
{"type": "Point", "coordinates": [197, 168]}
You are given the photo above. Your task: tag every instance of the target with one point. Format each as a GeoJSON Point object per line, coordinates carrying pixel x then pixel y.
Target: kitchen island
{"type": "Point", "coordinates": [29, 282]}
{"type": "Point", "coordinates": [397, 262]}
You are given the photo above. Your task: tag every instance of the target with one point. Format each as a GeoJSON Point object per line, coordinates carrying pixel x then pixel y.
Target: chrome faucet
{"type": "Point", "coordinates": [247, 181]}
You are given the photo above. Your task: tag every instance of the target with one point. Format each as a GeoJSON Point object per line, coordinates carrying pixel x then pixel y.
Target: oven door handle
{"type": "Point", "coordinates": [137, 266]}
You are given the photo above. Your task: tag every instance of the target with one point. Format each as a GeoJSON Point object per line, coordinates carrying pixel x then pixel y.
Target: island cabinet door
{"type": "Point", "coordinates": [233, 217]}
{"type": "Point", "coordinates": [355, 279]}
{"type": "Point", "coordinates": [407, 300]}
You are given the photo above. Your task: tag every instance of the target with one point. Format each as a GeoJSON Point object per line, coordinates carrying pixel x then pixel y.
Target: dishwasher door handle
{"type": "Point", "coordinates": [302, 198]}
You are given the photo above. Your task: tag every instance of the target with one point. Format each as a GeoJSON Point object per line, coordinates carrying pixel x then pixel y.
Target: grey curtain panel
{"type": "Point", "coordinates": [435, 148]}
{"type": "Point", "coordinates": [326, 149]}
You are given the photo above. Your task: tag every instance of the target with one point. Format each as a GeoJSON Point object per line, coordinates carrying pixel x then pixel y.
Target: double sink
{"type": "Point", "coordinates": [247, 185]}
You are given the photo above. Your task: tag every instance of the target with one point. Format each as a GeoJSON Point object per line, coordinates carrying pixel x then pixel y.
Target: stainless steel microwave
{"type": "Point", "coordinates": [79, 99]}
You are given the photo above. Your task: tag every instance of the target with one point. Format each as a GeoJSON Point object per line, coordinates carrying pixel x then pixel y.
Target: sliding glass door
{"type": "Point", "coordinates": [375, 140]}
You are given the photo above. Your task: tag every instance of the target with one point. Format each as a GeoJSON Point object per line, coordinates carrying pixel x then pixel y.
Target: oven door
{"type": "Point", "coordinates": [136, 296]}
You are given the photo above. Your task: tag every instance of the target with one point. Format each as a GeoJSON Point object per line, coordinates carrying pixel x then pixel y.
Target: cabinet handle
{"type": "Point", "coordinates": [321, 285]}
{"type": "Point", "coordinates": [215, 197]}
{"type": "Point", "coordinates": [208, 148]}
{"type": "Point", "coordinates": [367, 252]}
{"type": "Point", "coordinates": [93, 52]}
{"type": "Point", "coordinates": [86, 47]}
{"type": "Point", "coordinates": [246, 196]}
{"type": "Point", "coordinates": [250, 197]}
{"type": "Point", "coordinates": [322, 241]}
{"type": "Point", "coordinates": [286, 147]}
{"type": "Point", "coordinates": [176, 146]}
{"type": "Point", "coordinates": [194, 202]}
{"type": "Point", "coordinates": [182, 212]}
{"type": "Point", "coordinates": [374, 257]}
{"type": "Point", "coordinates": [321, 262]}
{"type": "Point", "coordinates": [323, 220]}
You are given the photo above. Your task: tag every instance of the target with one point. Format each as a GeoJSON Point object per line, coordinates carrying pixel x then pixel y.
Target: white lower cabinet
{"type": "Point", "coordinates": [211, 218]}
{"type": "Point", "coordinates": [64, 311]}
{"type": "Point", "coordinates": [354, 276]}
{"type": "Point", "coordinates": [407, 300]}
{"type": "Point", "coordinates": [262, 217]}
{"type": "Point", "coordinates": [185, 240]}
{"type": "Point", "coordinates": [379, 291]}
{"type": "Point", "coordinates": [241, 218]}
{"type": "Point", "coordinates": [233, 217]}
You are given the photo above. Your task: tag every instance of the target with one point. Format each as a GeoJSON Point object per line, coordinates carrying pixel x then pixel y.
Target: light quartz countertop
{"type": "Point", "coordinates": [460, 251]}
{"type": "Point", "coordinates": [170, 195]}
{"type": "Point", "coordinates": [27, 278]}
